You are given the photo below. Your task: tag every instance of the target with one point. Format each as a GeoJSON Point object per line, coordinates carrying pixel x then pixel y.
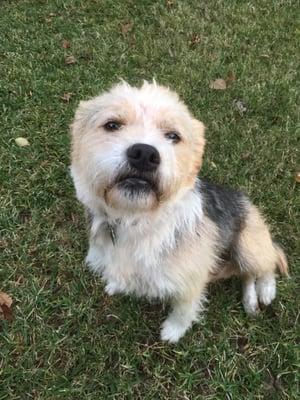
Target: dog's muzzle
{"type": "Point", "coordinates": [140, 177]}
{"type": "Point", "coordinates": [137, 184]}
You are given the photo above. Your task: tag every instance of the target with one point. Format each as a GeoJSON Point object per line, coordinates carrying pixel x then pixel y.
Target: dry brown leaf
{"type": "Point", "coordinates": [66, 97]}
{"type": "Point", "coordinates": [69, 60]}
{"type": "Point", "coordinates": [3, 243]}
{"type": "Point", "coordinates": [66, 44]}
{"type": "Point", "coordinates": [5, 304]}
{"type": "Point", "coordinates": [6, 313]}
{"type": "Point", "coordinates": [243, 344]}
{"type": "Point", "coordinates": [195, 39]}
{"type": "Point", "coordinates": [126, 28]}
{"type": "Point", "coordinates": [22, 142]}
{"type": "Point", "coordinates": [230, 78]}
{"type": "Point", "coordinates": [5, 299]}
{"type": "Point", "coordinates": [218, 84]}
{"type": "Point", "coordinates": [246, 156]}
{"type": "Point", "coordinates": [297, 177]}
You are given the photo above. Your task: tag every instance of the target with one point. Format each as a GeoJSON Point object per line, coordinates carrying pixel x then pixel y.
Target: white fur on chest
{"type": "Point", "coordinates": [139, 261]}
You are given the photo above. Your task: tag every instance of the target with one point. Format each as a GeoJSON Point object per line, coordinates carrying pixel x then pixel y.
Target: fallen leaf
{"type": "Point", "coordinates": [126, 28]}
{"type": "Point", "coordinates": [3, 243]}
{"type": "Point", "coordinates": [5, 299]}
{"type": "Point", "coordinates": [5, 304]}
{"type": "Point", "coordinates": [5, 313]}
{"type": "Point", "coordinates": [195, 39]}
{"type": "Point", "coordinates": [66, 97]}
{"type": "Point", "coordinates": [242, 344]}
{"type": "Point", "coordinates": [246, 156]}
{"type": "Point", "coordinates": [230, 78]}
{"type": "Point", "coordinates": [240, 106]}
{"type": "Point", "coordinates": [22, 142]}
{"type": "Point", "coordinates": [297, 177]}
{"type": "Point", "coordinates": [170, 3]}
{"type": "Point", "coordinates": [69, 60]}
{"type": "Point", "coordinates": [218, 84]}
{"type": "Point", "coordinates": [66, 44]}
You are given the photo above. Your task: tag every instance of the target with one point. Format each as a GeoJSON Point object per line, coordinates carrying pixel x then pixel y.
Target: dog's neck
{"type": "Point", "coordinates": [182, 214]}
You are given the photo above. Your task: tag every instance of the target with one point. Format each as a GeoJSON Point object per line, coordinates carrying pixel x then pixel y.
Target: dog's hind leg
{"type": "Point", "coordinates": [266, 288]}
{"type": "Point", "coordinates": [250, 301]}
{"type": "Point", "coordinates": [258, 257]}
{"type": "Point", "coordinates": [266, 283]}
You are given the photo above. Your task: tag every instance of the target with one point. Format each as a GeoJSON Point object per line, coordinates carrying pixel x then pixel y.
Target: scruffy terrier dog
{"type": "Point", "coordinates": [156, 229]}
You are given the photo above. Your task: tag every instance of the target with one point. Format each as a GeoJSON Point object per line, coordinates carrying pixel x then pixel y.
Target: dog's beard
{"type": "Point", "coordinates": [133, 191]}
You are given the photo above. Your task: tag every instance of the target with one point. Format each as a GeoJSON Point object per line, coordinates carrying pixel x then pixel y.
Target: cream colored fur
{"type": "Point", "coordinates": [146, 259]}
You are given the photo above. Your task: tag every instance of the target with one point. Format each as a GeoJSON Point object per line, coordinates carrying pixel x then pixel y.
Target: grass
{"type": "Point", "coordinates": [68, 340]}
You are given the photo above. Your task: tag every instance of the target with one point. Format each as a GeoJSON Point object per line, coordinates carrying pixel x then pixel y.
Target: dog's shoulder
{"type": "Point", "coordinates": [220, 201]}
{"type": "Point", "coordinates": [225, 207]}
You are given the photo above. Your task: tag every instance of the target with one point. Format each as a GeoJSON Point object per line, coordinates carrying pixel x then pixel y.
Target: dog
{"type": "Point", "coordinates": [156, 229]}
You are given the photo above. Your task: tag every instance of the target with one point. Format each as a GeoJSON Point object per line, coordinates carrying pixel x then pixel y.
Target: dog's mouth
{"type": "Point", "coordinates": [136, 184]}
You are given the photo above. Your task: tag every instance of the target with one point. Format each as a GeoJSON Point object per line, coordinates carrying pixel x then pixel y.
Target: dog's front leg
{"type": "Point", "coordinates": [94, 258]}
{"type": "Point", "coordinates": [184, 312]}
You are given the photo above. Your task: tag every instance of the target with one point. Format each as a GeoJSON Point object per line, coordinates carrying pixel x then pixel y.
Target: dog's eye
{"type": "Point", "coordinates": [173, 136]}
{"type": "Point", "coordinates": [112, 126]}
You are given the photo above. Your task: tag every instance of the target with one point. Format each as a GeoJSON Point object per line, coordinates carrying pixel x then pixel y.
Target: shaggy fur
{"type": "Point", "coordinates": [156, 230]}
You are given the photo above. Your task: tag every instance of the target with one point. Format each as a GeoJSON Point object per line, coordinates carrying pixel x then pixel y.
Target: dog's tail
{"type": "Point", "coordinates": [282, 263]}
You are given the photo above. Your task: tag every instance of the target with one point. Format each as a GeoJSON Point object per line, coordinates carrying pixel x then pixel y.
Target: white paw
{"type": "Point", "coordinates": [266, 290]}
{"type": "Point", "coordinates": [172, 331]}
{"type": "Point", "coordinates": [112, 288]}
{"type": "Point", "coordinates": [250, 304]}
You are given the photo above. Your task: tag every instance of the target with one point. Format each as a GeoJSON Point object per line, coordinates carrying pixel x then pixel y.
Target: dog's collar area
{"type": "Point", "coordinates": [112, 231]}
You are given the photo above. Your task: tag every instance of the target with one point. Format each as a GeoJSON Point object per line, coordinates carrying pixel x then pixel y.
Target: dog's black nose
{"type": "Point", "coordinates": [143, 157]}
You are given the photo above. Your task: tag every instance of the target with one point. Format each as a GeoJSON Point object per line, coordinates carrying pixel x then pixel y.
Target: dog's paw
{"type": "Point", "coordinates": [112, 288]}
{"type": "Point", "coordinates": [172, 331]}
{"type": "Point", "coordinates": [250, 304]}
{"type": "Point", "coordinates": [266, 290]}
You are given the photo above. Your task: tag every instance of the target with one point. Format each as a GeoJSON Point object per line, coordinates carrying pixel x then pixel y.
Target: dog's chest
{"type": "Point", "coordinates": [137, 263]}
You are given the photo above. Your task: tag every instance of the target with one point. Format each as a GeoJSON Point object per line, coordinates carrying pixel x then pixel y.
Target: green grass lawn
{"type": "Point", "coordinates": [67, 339]}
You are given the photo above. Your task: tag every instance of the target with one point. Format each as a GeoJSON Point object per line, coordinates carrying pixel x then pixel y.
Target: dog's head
{"type": "Point", "coordinates": [136, 148]}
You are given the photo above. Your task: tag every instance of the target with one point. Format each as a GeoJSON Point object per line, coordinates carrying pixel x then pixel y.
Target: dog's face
{"type": "Point", "coordinates": [136, 148]}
